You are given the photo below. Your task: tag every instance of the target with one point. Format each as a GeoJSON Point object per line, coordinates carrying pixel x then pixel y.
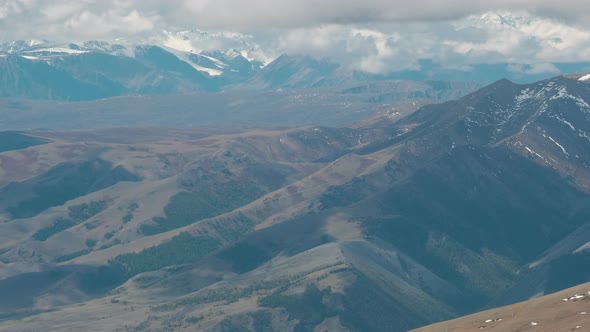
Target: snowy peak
{"type": "Point", "coordinates": [580, 77]}
{"type": "Point", "coordinates": [106, 47]}
{"type": "Point", "coordinates": [548, 121]}
{"type": "Point", "coordinates": [214, 54]}
{"type": "Point", "coordinates": [20, 45]}
{"type": "Point", "coordinates": [198, 41]}
{"type": "Point", "coordinates": [45, 50]}
{"type": "Point", "coordinates": [217, 63]}
{"type": "Point", "coordinates": [508, 20]}
{"type": "Point", "coordinates": [510, 108]}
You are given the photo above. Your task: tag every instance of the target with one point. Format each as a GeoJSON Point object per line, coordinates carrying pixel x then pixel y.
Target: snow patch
{"type": "Point", "coordinates": [217, 62]}
{"type": "Point", "coordinates": [565, 122]}
{"type": "Point", "coordinates": [583, 134]}
{"type": "Point", "coordinates": [524, 95]}
{"type": "Point", "coordinates": [210, 71]}
{"type": "Point", "coordinates": [583, 248]}
{"type": "Point", "coordinates": [563, 94]}
{"type": "Point", "coordinates": [34, 42]}
{"type": "Point", "coordinates": [232, 54]}
{"type": "Point", "coordinates": [61, 50]}
{"type": "Point", "coordinates": [531, 151]}
{"type": "Point", "coordinates": [559, 145]}
{"type": "Point", "coordinates": [177, 43]}
{"type": "Point", "coordinates": [577, 297]}
{"type": "Point", "coordinates": [30, 57]}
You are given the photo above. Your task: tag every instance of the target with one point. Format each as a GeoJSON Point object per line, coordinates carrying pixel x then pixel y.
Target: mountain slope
{"type": "Point", "coordinates": [563, 311]}
{"type": "Point", "coordinates": [295, 72]}
{"type": "Point", "coordinates": [22, 77]}
{"type": "Point", "coordinates": [384, 227]}
{"type": "Point", "coordinates": [98, 74]}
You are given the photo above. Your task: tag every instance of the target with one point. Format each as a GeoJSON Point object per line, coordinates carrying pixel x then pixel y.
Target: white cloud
{"type": "Point", "coordinates": [10, 8]}
{"type": "Point", "coordinates": [534, 69]}
{"type": "Point", "coordinates": [109, 23]}
{"type": "Point", "coordinates": [27, 16]}
{"type": "Point", "coordinates": [289, 13]}
{"type": "Point", "coordinates": [491, 38]}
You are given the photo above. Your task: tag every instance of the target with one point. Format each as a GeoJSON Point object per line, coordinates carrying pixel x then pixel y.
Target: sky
{"type": "Point", "coordinates": [369, 35]}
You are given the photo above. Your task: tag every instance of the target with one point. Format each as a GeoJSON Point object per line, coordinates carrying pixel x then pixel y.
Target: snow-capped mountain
{"type": "Point", "coordinates": [548, 121]}
{"type": "Point", "coordinates": [93, 70]}
{"type": "Point", "coordinates": [213, 54]}
{"type": "Point", "coordinates": [229, 53]}
{"type": "Point", "coordinates": [198, 41]}
{"type": "Point", "coordinates": [195, 60]}
{"type": "Point", "coordinates": [181, 62]}
{"type": "Point", "coordinates": [45, 50]}
{"type": "Point", "coordinates": [20, 45]}
{"type": "Point", "coordinates": [501, 20]}
{"type": "Point", "coordinates": [507, 19]}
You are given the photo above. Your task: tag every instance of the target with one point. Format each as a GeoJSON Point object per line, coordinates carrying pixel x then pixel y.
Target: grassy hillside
{"type": "Point", "coordinates": [12, 140]}
{"type": "Point", "coordinates": [59, 185]}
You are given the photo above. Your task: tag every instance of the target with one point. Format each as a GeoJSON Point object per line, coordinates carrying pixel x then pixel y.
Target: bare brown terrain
{"type": "Point", "coordinates": [568, 310]}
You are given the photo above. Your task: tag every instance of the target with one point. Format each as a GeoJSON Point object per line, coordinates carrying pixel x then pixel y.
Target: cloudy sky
{"type": "Point", "coordinates": [371, 35]}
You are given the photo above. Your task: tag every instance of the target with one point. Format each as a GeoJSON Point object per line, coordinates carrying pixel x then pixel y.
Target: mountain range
{"type": "Point", "coordinates": [405, 219]}
{"type": "Point", "coordinates": [97, 70]}
{"type": "Point", "coordinates": [189, 61]}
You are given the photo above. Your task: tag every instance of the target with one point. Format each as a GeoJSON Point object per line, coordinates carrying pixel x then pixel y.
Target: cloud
{"type": "Point", "coordinates": [109, 23]}
{"type": "Point", "coordinates": [480, 39]}
{"type": "Point", "coordinates": [80, 19]}
{"type": "Point", "coordinates": [533, 69]}
{"type": "Point", "coordinates": [289, 13]}
{"type": "Point", "coordinates": [23, 17]}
